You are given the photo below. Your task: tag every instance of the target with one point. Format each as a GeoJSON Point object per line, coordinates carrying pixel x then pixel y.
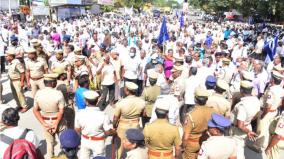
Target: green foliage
{"type": "Point", "coordinates": [105, 8]}
{"type": "Point", "coordinates": [266, 8]}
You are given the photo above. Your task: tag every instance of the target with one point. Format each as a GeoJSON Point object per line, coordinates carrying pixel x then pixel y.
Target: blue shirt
{"type": "Point", "coordinates": [79, 98]}
{"type": "Point", "coordinates": [227, 34]}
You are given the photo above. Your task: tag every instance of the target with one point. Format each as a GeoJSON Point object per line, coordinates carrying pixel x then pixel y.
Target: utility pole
{"type": "Point", "coordinates": [10, 11]}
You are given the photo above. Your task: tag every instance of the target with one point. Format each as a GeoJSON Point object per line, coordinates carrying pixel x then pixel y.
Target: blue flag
{"type": "Point", "coordinates": [181, 21]}
{"type": "Point", "coordinates": [270, 49]}
{"type": "Point", "coordinates": [163, 36]}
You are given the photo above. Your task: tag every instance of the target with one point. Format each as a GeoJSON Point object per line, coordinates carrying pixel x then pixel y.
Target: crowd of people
{"type": "Point", "coordinates": [207, 92]}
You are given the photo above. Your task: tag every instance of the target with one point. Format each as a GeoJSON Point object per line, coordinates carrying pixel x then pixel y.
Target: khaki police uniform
{"type": "Point", "coordinates": [244, 111]}
{"type": "Point", "coordinates": [196, 126]}
{"type": "Point", "coordinates": [92, 133]}
{"type": "Point", "coordinates": [36, 68]}
{"type": "Point", "coordinates": [226, 73]}
{"type": "Point", "coordinates": [14, 72]}
{"type": "Point", "coordinates": [19, 52]}
{"type": "Point", "coordinates": [178, 85]}
{"type": "Point", "coordinates": [135, 136]}
{"type": "Point", "coordinates": [128, 110]}
{"type": "Point", "coordinates": [276, 127]}
{"type": "Point", "coordinates": [150, 95]}
{"type": "Point", "coordinates": [218, 147]}
{"type": "Point", "coordinates": [60, 64]}
{"type": "Point", "coordinates": [161, 136]}
{"type": "Point", "coordinates": [219, 102]}
{"type": "Point", "coordinates": [78, 71]}
{"type": "Point", "coordinates": [272, 99]}
{"type": "Point", "coordinates": [49, 101]}
{"type": "Point", "coordinates": [137, 153]}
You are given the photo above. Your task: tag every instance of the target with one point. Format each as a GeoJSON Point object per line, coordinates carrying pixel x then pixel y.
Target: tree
{"type": "Point", "coordinates": [272, 9]}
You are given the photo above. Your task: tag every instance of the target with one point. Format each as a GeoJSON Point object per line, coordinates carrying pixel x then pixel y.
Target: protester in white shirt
{"type": "Point", "coordinates": [108, 79]}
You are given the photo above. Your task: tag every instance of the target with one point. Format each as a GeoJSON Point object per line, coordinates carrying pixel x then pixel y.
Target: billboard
{"type": "Point", "coordinates": [63, 2]}
{"type": "Point", "coordinates": [106, 2]}
{"type": "Point", "coordinates": [40, 10]}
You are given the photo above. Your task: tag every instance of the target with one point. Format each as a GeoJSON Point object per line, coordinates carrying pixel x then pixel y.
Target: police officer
{"type": "Point", "coordinates": [272, 100]}
{"type": "Point", "coordinates": [93, 134]}
{"type": "Point", "coordinates": [70, 142]}
{"type": "Point", "coordinates": [217, 145]}
{"type": "Point", "coordinates": [160, 143]}
{"type": "Point", "coordinates": [218, 101]}
{"type": "Point", "coordinates": [276, 141]}
{"type": "Point", "coordinates": [134, 142]}
{"type": "Point", "coordinates": [48, 109]}
{"type": "Point", "coordinates": [150, 95]}
{"type": "Point", "coordinates": [127, 113]}
{"type": "Point", "coordinates": [243, 113]}
{"type": "Point", "coordinates": [35, 70]}
{"type": "Point", "coordinates": [196, 124]}
{"type": "Point", "coordinates": [40, 53]}
{"type": "Point", "coordinates": [177, 87]}
{"type": "Point", "coordinates": [60, 62]}
{"type": "Point", "coordinates": [19, 50]}
{"type": "Point", "coordinates": [273, 96]}
{"type": "Point", "coordinates": [226, 73]}
{"type": "Point", "coordinates": [210, 84]}
{"type": "Point", "coordinates": [80, 67]}
{"type": "Point", "coordinates": [16, 73]}
{"type": "Point", "coordinates": [63, 86]}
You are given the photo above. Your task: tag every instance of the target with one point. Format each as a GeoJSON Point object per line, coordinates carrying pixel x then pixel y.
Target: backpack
{"type": "Point", "coordinates": [19, 148]}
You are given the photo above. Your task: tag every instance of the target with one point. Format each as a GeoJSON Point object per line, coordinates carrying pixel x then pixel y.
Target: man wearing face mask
{"type": "Point", "coordinates": [19, 50]}
{"type": "Point", "coordinates": [150, 67]}
{"type": "Point", "coordinates": [130, 67]}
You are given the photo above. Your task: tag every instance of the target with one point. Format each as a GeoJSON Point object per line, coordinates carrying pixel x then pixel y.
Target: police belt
{"type": "Point", "coordinates": [123, 120]}
{"type": "Point", "coordinates": [15, 79]}
{"type": "Point", "coordinates": [193, 138]}
{"type": "Point", "coordinates": [94, 138]}
{"type": "Point", "coordinates": [156, 153]}
{"type": "Point", "coordinates": [35, 79]}
{"type": "Point", "coordinates": [48, 118]}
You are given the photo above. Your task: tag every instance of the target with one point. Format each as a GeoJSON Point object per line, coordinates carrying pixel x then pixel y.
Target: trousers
{"type": "Point", "coordinates": [122, 127]}
{"type": "Point", "coordinates": [35, 84]}
{"type": "Point", "coordinates": [18, 94]}
{"type": "Point", "coordinates": [107, 90]}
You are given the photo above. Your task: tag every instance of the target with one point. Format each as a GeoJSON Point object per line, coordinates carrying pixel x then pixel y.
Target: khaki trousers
{"type": "Point", "coordinates": [18, 94]}
{"type": "Point", "coordinates": [51, 138]}
{"type": "Point", "coordinates": [122, 127]}
{"type": "Point", "coordinates": [35, 84]}
{"type": "Point", "coordinates": [191, 150]}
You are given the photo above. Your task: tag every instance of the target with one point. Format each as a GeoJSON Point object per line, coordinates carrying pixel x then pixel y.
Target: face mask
{"type": "Point", "coordinates": [154, 61]}
{"type": "Point", "coordinates": [131, 54]}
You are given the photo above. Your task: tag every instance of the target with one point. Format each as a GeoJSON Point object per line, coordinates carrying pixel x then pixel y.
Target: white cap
{"type": "Point", "coordinates": [131, 85]}
{"type": "Point", "coordinates": [91, 95]}
{"type": "Point", "coordinates": [162, 103]}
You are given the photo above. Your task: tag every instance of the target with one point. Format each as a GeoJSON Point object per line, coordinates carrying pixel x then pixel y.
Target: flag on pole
{"type": "Point", "coordinates": [163, 36]}
{"type": "Point", "coordinates": [181, 21]}
{"type": "Point", "coordinates": [270, 49]}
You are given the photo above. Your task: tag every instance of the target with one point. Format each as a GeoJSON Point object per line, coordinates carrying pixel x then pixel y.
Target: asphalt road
{"type": "Point", "coordinates": [28, 120]}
